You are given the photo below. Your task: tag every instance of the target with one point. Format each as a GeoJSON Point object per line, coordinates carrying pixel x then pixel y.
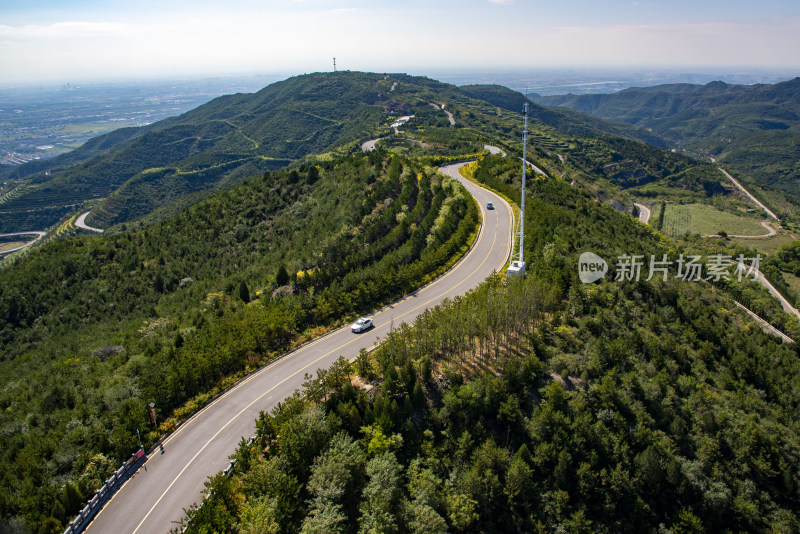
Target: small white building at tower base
{"type": "Point", "coordinates": [517, 268]}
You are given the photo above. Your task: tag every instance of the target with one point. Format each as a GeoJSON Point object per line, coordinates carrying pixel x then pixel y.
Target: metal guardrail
{"type": "Point", "coordinates": [108, 489]}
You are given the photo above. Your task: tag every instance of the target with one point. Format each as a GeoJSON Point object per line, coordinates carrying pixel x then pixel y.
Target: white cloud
{"type": "Point", "coordinates": [702, 44]}
{"type": "Point", "coordinates": [264, 40]}
{"type": "Point", "coordinates": [68, 29]}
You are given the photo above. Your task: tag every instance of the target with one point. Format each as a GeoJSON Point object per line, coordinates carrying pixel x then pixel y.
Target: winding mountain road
{"type": "Point", "coordinates": [770, 232]}
{"type": "Point", "coordinates": [785, 304]}
{"type": "Point", "coordinates": [37, 233]}
{"type": "Point", "coordinates": [746, 192]}
{"type": "Point", "coordinates": [154, 499]}
{"type": "Point", "coordinates": [369, 146]}
{"type": "Point", "coordinates": [536, 169]}
{"type": "Point", "coordinates": [644, 212]}
{"type": "Point", "coordinates": [80, 222]}
{"type": "Point", "coordinates": [493, 150]}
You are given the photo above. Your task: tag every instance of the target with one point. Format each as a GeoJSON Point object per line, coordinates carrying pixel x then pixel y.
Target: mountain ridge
{"type": "Point", "coordinates": [132, 171]}
{"type": "Point", "coordinates": [732, 124]}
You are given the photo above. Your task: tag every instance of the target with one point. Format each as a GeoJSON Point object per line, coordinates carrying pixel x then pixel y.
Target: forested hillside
{"type": "Point", "coordinates": [128, 173]}
{"type": "Point", "coordinates": [538, 406]}
{"type": "Point", "coordinates": [565, 121]}
{"type": "Point", "coordinates": [231, 136]}
{"type": "Point", "coordinates": [92, 329]}
{"type": "Point", "coordinates": [547, 405]}
{"type": "Point", "coordinates": [752, 128]}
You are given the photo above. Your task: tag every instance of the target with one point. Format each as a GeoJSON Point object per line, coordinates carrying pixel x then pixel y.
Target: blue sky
{"type": "Point", "coordinates": [88, 39]}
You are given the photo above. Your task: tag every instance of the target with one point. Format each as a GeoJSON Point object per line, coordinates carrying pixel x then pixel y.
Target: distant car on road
{"type": "Point", "coordinates": [365, 323]}
{"type": "Point", "coordinates": [489, 206]}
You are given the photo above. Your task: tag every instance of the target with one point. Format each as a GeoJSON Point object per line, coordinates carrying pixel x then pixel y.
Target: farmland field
{"type": "Point", "coordinates": [765, 246]}
{"type": "Point", "coordinates": [680, 219]}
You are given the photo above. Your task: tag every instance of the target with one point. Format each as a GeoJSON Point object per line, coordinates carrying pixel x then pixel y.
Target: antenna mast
{"type": "Point", "coordinates": [517, 267]}
{"type": "Point", "coordinates": [334, 64]}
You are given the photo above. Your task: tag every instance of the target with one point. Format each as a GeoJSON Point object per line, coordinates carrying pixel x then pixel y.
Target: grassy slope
{"type": "Point", "coordinates": [681, 219]}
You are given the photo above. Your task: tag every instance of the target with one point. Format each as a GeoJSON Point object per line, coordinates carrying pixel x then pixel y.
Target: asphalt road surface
{"type": "Point", "coordinates": [369, 146]}
{"type": "Point", "coordinates": [154, 499]}
{"type": "Point", "coordinates": [644, 212]}
{"type": "Point", "coordinates": [38, 235]}
{"type": "Point", "coordinates": [80, 222]}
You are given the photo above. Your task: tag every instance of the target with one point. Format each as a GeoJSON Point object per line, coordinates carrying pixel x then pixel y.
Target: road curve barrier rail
{"type": "Point", "coordinates": [108, 489]}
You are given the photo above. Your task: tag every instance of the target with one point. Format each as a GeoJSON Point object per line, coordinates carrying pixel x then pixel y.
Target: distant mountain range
{"type": "Point", "coordinates": [565, 121]}
{"type": "Point", "coordinates": [130, 172]}
{"type": "Point", "coordinates": [754, 128]}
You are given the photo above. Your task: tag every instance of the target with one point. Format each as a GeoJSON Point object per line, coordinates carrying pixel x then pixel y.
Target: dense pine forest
{"type": "Point", "coordinates": [95, 328]}
{"type": "Point", "coordinates": [543, 405]}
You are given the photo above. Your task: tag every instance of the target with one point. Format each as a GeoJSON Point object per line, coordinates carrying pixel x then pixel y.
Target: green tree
{"type": "Point", "coordinates": [158, 283]}
{"type": "Point", "coordinates": [51, 525]}
{"type": "Point", "coordinates": [324, 518]}
{"type": "Point", "coordinates": [363, 364]}
{"type": "Point", "coordinates": [71, 498]}
{"type": "Point", "coordinates": [334, 476]}
{"type": "Point", "coordinates": [422, 519]}
{"type": "Point", "coordinates": [258, 517]}
{"type": "Point", "coordinates": [424, 486]}
{"type": "Point", "coordinates": [518, 488]}
{"type": "Point", "coordinates": [302, 437]}
{"type": "Point", "coordinates": [687, 523]}
{"type": "Point", "coordinates": [461, 510]}
{"type": "Point", "coordinates": [282, 276]}
{"type": "Point", "coordinates": [378, 442]}
{"type": "Point", "coordinates": [272, 482]}
{"type": "Point", "coordinates": [380, 495]}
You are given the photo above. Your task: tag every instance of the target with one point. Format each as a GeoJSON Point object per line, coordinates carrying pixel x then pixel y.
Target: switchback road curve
{"type": "Point", "coordinates": [154, 499]}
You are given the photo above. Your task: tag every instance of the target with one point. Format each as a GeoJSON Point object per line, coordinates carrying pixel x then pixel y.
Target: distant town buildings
{"type": "Point", "coordinates": [15, 158]}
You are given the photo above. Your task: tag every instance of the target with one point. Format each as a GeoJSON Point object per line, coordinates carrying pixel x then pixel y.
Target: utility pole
{"type": "Point", "coordinates": [153, 415]}
{"type": "Point", "coordinates": [517, 267]}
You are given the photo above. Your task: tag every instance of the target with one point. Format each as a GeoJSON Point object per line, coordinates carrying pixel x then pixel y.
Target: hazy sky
{"type": "Point", "coordinates": [83, 39]}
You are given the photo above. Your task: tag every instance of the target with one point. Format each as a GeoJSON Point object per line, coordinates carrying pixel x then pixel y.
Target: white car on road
{"type": "Point", "coordinates": [365, 323]}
